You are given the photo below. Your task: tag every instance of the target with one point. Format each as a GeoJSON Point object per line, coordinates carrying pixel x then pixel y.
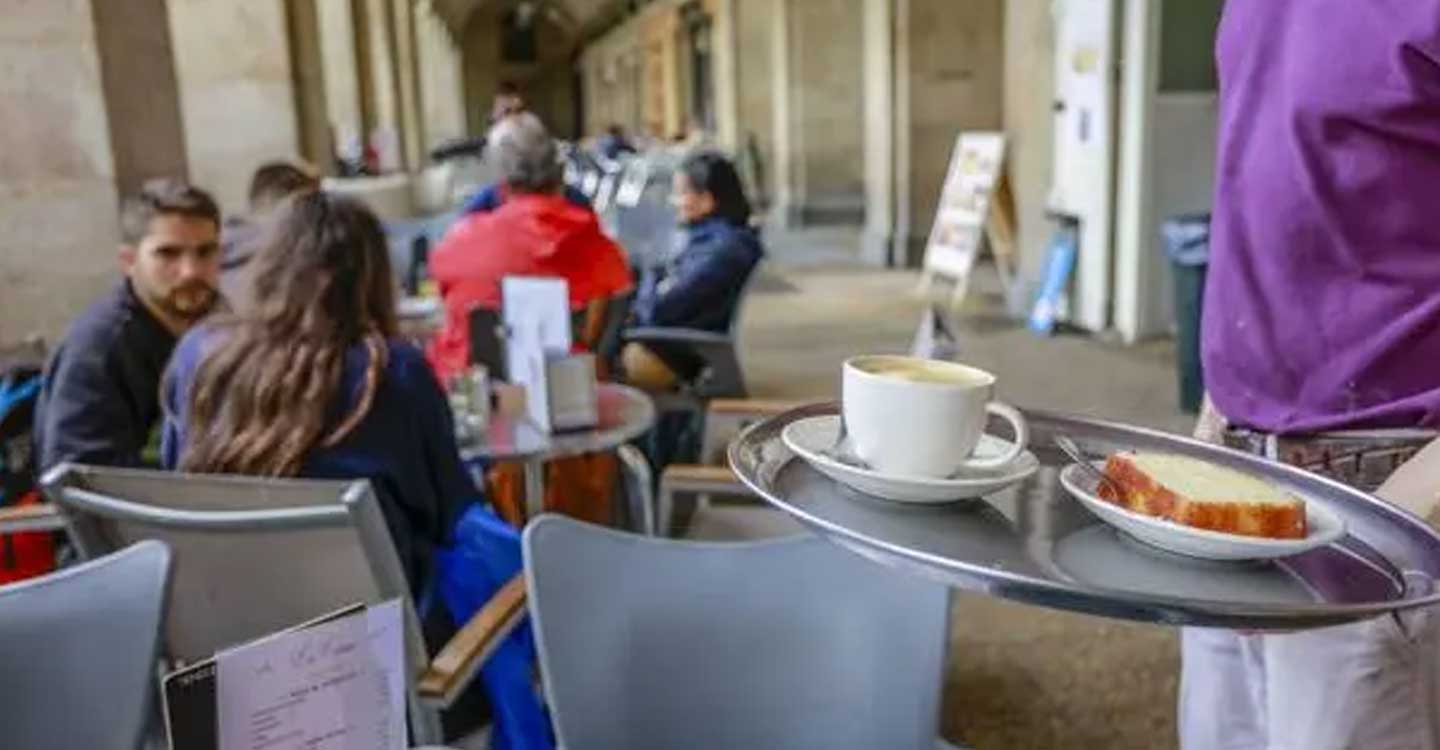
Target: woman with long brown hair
{"type": "Point", "coordinates": [309, 380]}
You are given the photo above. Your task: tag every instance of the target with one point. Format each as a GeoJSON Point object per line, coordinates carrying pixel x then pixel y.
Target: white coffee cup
{"type": "Point", "coordinates": [915, 417]}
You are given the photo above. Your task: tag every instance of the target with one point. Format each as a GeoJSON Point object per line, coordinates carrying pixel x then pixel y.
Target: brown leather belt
{"type": "Point", "coordinates": [1363, 459]}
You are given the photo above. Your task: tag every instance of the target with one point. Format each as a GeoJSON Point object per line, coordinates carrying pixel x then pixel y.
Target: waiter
{"type": "Point", "coordinates": [1321, 340]}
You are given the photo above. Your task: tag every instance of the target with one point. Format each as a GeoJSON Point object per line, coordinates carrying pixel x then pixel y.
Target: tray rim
{"type": "Point", "coordinates": [1113, 603]}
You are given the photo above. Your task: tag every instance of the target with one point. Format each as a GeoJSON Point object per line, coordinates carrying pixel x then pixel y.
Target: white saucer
{"type": "Point", "coordinates": [811, 439]}
{"type": "Point", "coordinates": [1324, 527]}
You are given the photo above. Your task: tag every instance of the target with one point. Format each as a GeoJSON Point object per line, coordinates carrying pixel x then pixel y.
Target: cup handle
{"type": "Point", "coordinates": [1022, 437]}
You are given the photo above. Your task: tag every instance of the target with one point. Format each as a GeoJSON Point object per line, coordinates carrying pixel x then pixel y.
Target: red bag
{"type": "Point", "coordinates": [26, 554]}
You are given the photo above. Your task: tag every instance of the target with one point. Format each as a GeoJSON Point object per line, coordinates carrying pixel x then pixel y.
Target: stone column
{"type": "Point", "coordinates": [343, 101]}
{"type": "Point", "coordinates": [406, 61]}
{"type": "Point", "coordinates": [879, 85]}
{"type": "Point", "coordinates": [724, 54]}
{"type": "Point", "coordinates": [442, 93]}
{"type": "Point", "coordinates": [949, 78]}
{"type": "Point", "coordinates": [308, 65]}
{"type": "Point", "coordinates": [142, 97]}
{"type": "Point", "coordinates": [786, 146]}
{"type": "Point", "coordinates": [820, 109]}
{"type": "Point", "coordinates": [379, 79]}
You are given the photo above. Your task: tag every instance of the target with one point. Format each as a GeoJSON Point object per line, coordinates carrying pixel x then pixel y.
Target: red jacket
{"type": "Point", "coordinates": [528, 235]}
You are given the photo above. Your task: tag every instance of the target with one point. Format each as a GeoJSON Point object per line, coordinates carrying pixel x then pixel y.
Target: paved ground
{"type": "Point", "coordinates": [1019, 677]}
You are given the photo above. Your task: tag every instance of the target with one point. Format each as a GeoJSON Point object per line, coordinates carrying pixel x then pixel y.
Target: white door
{"type": "Point", "coordinates": [1086, 64]}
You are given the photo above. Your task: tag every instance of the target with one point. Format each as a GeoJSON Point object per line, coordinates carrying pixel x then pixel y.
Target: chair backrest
{"type": "Point", "coordinates": [78, 650]}
{"type": "Point", "coordinates": [786, 643]}
{"type": "Point", "coordinates": [617, 312]}
{"type": "Point", "coordinates": [487, 346]}
{"type": "Point", "coordinates": [252, 555]}
{"type": "Point", "coordinates": [751, 282]}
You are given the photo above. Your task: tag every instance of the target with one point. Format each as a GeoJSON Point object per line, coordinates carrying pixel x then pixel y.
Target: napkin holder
{"type": "Point", "coordinates": [571, 392]}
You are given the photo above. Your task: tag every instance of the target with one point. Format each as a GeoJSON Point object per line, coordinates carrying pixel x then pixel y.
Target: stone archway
{"type": "Point", "coordinates": [518, 43]}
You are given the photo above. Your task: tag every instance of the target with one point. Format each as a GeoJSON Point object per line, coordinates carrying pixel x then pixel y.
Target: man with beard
{"type": "Point", "coordinates": [99, 399]}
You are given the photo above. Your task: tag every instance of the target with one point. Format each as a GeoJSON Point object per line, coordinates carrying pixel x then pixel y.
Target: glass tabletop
{"type": "Point", "coordinates": [625, 414]}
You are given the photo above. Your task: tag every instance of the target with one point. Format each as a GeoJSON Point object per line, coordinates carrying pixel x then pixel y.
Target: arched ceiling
{"type": "Point", "coordinates": [583, 17]}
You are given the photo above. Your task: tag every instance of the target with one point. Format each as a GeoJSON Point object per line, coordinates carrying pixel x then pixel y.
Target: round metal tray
{"type": "Point", "coordinates": [1035, 544]}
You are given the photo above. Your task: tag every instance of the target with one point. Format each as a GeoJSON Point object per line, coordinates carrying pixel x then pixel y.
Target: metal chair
{"type": "Point", "coordinates": [710, 475]}
{"type": "Point", "coordinates": [255, 555]}
{"type": "Point", "coordinates": [79, 648]}
{"type": "Point", "coordinates": [720, 374]}
{"type": "Point", "coordinates": [612, 330]}
{"type": "Point", "coordinates": [638, 483]}
{"type": "Point", "coordinates": [790, 643]}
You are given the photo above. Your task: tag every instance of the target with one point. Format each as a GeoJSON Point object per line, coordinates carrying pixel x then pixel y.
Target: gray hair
{"type": "Point", "coordinates": [526, 155]}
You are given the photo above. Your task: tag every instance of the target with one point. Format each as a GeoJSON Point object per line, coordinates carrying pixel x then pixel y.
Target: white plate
{"type": "Point", "coordinates": [812, 438]}
{"type": "Point", "coordinates": [1324, 527]}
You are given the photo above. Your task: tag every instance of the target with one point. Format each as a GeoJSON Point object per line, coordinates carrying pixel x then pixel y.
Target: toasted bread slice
{"type": "Point", "coordinates": [1201, 494]}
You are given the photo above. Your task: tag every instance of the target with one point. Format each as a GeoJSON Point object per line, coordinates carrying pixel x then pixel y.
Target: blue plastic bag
{"type": "Point", "coordinates": [484, 557]}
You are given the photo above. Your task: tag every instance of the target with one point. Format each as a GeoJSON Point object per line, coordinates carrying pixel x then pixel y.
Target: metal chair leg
{"type": "Point", "coordinates": [638, 493]}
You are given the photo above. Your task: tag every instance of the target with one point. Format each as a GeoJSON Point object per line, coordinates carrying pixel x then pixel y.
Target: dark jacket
{"type": "Point", "coordinates": [702, 286]}
{"type": "Point", "coordinates": [405, 445]}
{"type": "Point", "coordinates": [99, 399]}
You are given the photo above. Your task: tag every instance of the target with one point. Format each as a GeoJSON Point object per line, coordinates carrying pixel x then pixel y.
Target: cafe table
{"type": "Point", "coordinates": [1033, 543]}
{"type": "Point", "coordinates": [625, 414]}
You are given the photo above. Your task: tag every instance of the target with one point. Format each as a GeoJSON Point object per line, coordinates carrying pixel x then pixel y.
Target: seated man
{"type": "Point", "coordinates": [99, 398]}
{"type": "Point", "coordinates": [701, 289]}
{"type": "Point", "coordinates": [508, 104]}
{"type": "Point", "coordinates": [537, 232]}
{"type": "Point", "coordinates": [614, 144]}
{"type": "Point", "coordinates": [271, 184]}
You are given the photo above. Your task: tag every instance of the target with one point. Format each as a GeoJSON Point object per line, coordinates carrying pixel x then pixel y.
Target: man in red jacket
{"type": "Point", "coordinates": [535, 232]}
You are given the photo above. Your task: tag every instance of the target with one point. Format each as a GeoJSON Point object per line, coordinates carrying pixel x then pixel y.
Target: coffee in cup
{"type": "Point", "coordinates": [915, 417]}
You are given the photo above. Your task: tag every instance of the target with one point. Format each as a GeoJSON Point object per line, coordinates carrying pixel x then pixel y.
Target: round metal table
{"type": "Point", "coordinates": [625, 414]}
{"type": "Point", "coordinates": [1035, 544]}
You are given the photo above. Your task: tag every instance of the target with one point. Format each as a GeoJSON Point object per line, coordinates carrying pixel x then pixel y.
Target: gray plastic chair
{"type": "Point", "coordinates": [255, 555]}
{"type": "Point", "coordinates": [78, 651]}
{"type": "Point", "coordinates": [793, 643]}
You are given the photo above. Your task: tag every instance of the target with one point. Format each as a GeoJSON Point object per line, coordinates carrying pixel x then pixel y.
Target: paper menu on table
{"type": "Point", "coordinates": [536, 314]}
{"type": "Point", "coordinates": [339, 685]}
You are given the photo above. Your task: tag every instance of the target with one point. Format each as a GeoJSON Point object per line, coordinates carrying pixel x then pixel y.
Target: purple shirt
{"type": "Point", "coordinates": [1322, 309]}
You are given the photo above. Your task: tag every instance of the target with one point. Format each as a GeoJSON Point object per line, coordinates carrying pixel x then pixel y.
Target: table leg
{"type": "Point", "coordinates": [534, 487]}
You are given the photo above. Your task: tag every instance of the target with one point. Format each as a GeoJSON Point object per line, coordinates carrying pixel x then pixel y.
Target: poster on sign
{"type": "Point", "coordinates": [961, 219]}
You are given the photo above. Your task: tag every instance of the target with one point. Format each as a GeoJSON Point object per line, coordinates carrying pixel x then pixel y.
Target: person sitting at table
{"type": "Point", "coordinates": [701, 288]}
{"type": "Point", "coordinates": [310, 381]}
{"type": "Point", "coordinates": [537, 232]}
{"type": "Point", "coordinates": [240, 238]}
{"type": "Point", "coordinates": [99, 398]}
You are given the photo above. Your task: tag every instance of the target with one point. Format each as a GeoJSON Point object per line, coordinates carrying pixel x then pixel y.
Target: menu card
{"type": "Point", "coordinates": [536, 311]}
{"type": "Point", "coordinates": [337, 683]}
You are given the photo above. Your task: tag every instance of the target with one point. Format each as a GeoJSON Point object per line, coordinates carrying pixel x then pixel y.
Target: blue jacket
{"type": "Point", "coordinates": [702, 286]}
{"type": "Point", "coordinates": [492, 195]}
{"type": "Point", "coordinates": [405, 446]}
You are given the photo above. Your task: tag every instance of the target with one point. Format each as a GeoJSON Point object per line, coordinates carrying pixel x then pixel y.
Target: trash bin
{"type": "Point", "coordinates": [1187, 245]}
